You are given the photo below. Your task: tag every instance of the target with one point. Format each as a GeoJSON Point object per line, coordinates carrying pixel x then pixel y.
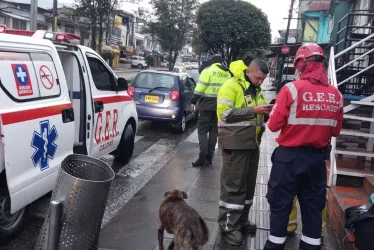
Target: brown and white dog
{"type": "Point", "coordinates": [178, 218]}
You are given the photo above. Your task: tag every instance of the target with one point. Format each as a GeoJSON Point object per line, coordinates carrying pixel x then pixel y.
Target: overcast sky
{"type": "Point", "coordinates": [276, 10]}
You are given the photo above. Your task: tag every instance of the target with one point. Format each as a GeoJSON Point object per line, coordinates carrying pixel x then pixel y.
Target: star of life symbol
{"type": "Point", "coordinates": [44, 145]}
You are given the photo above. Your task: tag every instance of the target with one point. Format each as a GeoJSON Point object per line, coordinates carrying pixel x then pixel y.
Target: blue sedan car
{"type": "Point", "coordinates": [163, 96]}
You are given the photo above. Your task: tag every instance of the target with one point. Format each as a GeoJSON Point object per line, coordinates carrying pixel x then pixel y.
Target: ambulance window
{"type": "Point", "coordinates": [102, 77]}
{"type": "Point", "coordinates": [28, 76]}
{"type": "Point", "coordinates": [46, 74]}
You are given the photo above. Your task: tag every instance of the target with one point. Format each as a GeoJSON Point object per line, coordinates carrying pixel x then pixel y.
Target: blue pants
{"type": "Point", "coordinates": [296, 171]}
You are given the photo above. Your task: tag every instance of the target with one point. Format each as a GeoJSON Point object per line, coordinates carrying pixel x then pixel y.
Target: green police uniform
{"type": "Point", "coordinates": [240, 132]}
{"type": "Point", "coordinates": [210, 80]}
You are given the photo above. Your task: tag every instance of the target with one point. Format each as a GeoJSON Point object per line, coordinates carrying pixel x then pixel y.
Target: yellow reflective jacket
{"type": "Point", "coordinates": [239, 126]}
{"type": "Point", "coordinates": [210, 80]}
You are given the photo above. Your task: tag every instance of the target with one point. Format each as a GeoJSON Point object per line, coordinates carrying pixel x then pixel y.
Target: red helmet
{"type": "Point", "coordinates": [308, 50]}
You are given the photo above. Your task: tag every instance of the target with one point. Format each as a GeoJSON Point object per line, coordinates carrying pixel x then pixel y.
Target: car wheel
{"type": "Point", "coordinates": [126, 146]}
{"type": "Point", "coordinates": [181, 125]}
{"type": "Point", "coordinates": [140, 66]}
{"type": "Point", "coordinates": [10, 224]}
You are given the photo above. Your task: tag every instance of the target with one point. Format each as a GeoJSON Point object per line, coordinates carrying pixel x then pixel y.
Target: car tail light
{"type": "Point", "coordinates": [174, 95]}
{"type": "Point", "coordinates": [131, 91]}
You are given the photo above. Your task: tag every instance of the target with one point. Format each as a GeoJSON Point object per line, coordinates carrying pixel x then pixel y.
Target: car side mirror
{"type": "Point", "coordinates": [122, 84]}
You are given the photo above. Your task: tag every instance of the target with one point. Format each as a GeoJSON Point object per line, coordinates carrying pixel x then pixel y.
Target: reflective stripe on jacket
{"type": "Point", "coordinates": [239, 127]}
{"type": "Point", "coordinates": [210, 80]}
{"type": "Point", "coordinates": [307, 114]}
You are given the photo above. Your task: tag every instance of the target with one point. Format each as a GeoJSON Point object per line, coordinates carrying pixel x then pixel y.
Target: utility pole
{"type": "Point", "coordinates": [54, 22]}
{"type": "Point", "coordinates": [289, 22]}
{"type": "Point", "coordinates": [286, 40]}
{"type": "Point", "coordinates": [33, 14]}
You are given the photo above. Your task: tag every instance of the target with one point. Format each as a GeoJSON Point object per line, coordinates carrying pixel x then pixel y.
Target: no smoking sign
{"type": "Point", "coordinates": [46, 77]}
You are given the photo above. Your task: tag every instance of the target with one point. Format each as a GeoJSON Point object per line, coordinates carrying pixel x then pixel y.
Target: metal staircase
{"type": "Point", "coordinates": [351, 70]}
{"type": "Point", "coordinates": [355, 66]}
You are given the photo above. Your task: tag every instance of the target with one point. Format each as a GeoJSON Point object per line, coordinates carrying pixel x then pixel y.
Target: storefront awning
{"type": "Point", "coordinates": [14, 16]}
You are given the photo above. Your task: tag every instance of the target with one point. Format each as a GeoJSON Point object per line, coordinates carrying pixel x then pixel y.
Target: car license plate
{"type": "Point", "coordinates": [151, 98]}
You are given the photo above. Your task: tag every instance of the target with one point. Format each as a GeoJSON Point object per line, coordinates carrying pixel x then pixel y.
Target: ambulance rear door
{"type": "Point", "coordinates": [37, 119]}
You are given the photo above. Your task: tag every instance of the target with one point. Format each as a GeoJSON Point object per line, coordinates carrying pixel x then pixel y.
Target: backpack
{"type": "Point", "coordinates": [360, 220]}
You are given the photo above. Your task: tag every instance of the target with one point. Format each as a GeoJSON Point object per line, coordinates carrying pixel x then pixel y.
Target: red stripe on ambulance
{"type": "Point", "coordinates": [32, 114]}
{"type": "Point", "coordinates": [113, 99]}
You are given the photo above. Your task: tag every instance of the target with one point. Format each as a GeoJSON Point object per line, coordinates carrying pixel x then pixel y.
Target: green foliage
{"type": "Point", "coordinates": [107, 55]}
{"type": "Point", "coordinates": [172, 24]}
{"type": "Point", "coordinates": [150, 60]}
{"type": "Point", "coordinates": [198, 45]}
{"type": "Point", "coordinates": [233, 27]}
{"type": "Point", "coordinates": [99, 13]}
{"type": "Point", "coordinates": [251, 54]}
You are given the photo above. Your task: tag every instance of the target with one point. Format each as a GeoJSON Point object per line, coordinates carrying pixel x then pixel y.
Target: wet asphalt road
{"type": "Point", "coordinates": [156, 144]}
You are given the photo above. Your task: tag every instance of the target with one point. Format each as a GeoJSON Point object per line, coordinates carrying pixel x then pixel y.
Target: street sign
{"type": "Point", "coordinates": [285, 50]}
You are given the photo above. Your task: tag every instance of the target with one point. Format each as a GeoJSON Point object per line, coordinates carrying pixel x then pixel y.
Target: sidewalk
{"type": "Point", "coordinates": [135, 225]}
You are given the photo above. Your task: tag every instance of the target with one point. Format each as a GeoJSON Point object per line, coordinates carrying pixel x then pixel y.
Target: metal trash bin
{"type": "Point", "coordinates": [82, 190]}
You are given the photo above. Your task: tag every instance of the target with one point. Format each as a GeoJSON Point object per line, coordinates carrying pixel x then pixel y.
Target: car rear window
{"type": "Point", "coordinates": [155, 80]}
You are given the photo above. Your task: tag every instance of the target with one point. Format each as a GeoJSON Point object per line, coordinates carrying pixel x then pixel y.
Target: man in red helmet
{"type": "Point", "coordinates": [308, 112]}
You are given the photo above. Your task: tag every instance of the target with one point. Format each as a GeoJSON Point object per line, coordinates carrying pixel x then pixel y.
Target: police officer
{"type": "Point", "coordinates": [210, 80]}
{"type": "Point", "coordinates": [308, 112]}
{"type": "Point", "coordinates": [204, 65]}
{"type": "Point", "coordinates": [241, 107]}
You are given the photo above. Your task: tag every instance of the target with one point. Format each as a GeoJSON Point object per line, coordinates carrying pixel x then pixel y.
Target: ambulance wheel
{"type": "Point", "coordinates": [10, 224]}
{"type": "Point", "coordinates": [126, 145]}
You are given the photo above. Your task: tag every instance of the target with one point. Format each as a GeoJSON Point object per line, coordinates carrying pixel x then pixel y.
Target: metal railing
{"type": "Point", "coordinates": [356, 59]}
{"type": "Point", "coordinates": [350, 25]}
{"type": "Point", "coordinates": [349, 49]}
{"type": "Point", "coordinates": [332, 78]}
{"type": "Point", "coordinates": [333, 81]}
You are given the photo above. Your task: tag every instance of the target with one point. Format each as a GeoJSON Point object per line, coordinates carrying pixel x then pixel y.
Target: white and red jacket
{"type": "Point", "coordinates": [307, 114]}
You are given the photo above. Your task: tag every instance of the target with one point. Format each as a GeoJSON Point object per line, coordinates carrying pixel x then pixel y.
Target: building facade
{"type": "Point", "coordinates": [314, 23]}
{"type": "Point", "coordinates": [124, 34]}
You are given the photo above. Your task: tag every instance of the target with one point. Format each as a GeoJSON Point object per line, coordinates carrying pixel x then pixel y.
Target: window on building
{"type": "Point", "coordinates": [3, 20]}
{"type": "Point", "coordinates": [19, 24]}
{"type": "Point", "coordinates": [69, 30]}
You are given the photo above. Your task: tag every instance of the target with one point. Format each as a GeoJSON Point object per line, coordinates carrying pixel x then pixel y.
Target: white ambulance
{"type": "Point", "coordinates": [56, 98]}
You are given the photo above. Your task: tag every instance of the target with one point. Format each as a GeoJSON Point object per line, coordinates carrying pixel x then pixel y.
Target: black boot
{"type": "Point", "coordinates": [209, 158]}
{"type": "Point", "coordinates": [249, 227]}
{"type": "Point", "coordinates": [202, 161]}
{"type": "Point", "coordinates": [199, 163]}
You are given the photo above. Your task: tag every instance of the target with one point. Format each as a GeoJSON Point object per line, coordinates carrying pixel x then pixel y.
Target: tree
{"type": "Point", "coordinates": [172, 24]}
{"type": "Point", "coordinates": [198, 45]}
{"type": "Point", "coordinates": [150, 61]}
{"type": "Point", "coordinates": [232, 28]}
{"type": "Point", "coordinates": [251, 54]}
{"type": "Point", "coordinates": [98, 13]}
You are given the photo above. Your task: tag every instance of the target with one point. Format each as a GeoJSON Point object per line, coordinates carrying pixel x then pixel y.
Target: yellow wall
{"type": "Point", "coordinates": [310, 34]}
